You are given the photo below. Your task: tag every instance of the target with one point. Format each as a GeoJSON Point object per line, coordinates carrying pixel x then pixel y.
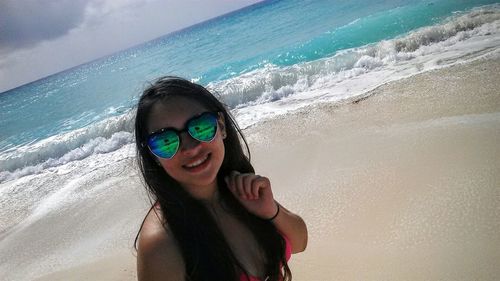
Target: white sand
{"type": "Point", "coordinates": [403, 185]}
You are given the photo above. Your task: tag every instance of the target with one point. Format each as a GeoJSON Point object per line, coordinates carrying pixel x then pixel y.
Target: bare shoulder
{"type": "Point", "coordinates": [158, 255]}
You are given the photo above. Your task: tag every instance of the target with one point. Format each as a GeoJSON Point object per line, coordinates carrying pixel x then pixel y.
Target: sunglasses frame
{"type": "Point", "coordinates": [185, 129]}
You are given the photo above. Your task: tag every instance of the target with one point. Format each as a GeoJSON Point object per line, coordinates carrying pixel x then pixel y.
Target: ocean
{"type": "Point", "coordinates": [263, 61]}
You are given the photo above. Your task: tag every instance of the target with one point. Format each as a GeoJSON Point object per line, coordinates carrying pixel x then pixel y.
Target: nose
{"type": "Point", "coordinates": [188, 143]}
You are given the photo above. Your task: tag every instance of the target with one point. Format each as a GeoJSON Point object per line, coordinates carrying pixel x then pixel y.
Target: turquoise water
{"type": "Point", "coordinates": [269, 35]}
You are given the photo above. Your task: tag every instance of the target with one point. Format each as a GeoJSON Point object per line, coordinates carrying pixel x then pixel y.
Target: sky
{"type": "Point", "coordinates": [42, 37]}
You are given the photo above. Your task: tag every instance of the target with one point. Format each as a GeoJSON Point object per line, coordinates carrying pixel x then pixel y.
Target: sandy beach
{"type": "Point", "coordinates": [401, 185]}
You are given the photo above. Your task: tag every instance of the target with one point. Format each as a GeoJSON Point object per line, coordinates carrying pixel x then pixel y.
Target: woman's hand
{"type": "Point", "coordinates": [254, 193]}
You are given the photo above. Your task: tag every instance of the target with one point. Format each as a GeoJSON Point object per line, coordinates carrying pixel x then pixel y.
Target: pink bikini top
{"type": "Point", "coordinates": [288, 254]}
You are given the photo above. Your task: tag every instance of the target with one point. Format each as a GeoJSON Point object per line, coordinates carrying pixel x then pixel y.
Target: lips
{"type": "Point", "coordinates": [199, 164]}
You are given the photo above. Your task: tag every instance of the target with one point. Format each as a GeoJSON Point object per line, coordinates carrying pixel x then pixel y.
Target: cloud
{"type": "Point", "coordinates": [98, 12]}
{"type": "Point", "coordinates": [25, 23]}
{"type": "Point", "coordinates": [37, 40]}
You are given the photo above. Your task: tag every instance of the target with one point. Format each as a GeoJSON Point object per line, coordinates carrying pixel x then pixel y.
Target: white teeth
{"type": "Point", "coordinates": [194, 164]}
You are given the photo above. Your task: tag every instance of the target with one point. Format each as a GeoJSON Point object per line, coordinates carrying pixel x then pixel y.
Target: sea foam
{"type": "Point", "coordinates": [272, 83]}
{"type": "Point", "coordinates": [353, 72]}
{"type": "Point", "coordinates": [102, 137]}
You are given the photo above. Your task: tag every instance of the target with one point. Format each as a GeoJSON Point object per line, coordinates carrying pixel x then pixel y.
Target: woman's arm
{"type": "Point", "coordinates": [293, 227]}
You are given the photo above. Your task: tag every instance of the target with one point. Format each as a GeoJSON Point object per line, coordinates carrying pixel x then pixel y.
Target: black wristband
{"type": "Point", "coordinates": [275, 215]}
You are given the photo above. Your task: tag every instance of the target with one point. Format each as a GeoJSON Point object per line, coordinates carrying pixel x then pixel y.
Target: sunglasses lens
{"type": "Point", "coordinates": [164, 144]}
{"type": "Point", "coordinates": [204, 127]}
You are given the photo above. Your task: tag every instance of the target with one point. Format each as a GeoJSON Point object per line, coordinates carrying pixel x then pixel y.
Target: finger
{"type": "Point", "coordinates": [229, 184]}
{"type": "Point", "coordinates": [247, 185]}
{"type": "Point", "coordinates": [261, 183]}
{"type": "Point", "coordinates": [255, 186]}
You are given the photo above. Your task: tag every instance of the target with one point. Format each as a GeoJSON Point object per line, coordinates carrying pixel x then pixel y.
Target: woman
{"type": "Point", "coordinates": [213, 218]}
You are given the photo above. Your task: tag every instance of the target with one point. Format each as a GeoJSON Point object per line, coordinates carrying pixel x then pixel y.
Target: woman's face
{"type": "Point", "coordinates": [196, 164]}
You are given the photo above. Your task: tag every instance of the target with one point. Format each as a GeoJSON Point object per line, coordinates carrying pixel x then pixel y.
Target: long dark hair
{"type": "Point", "coordinates": [206, 253]}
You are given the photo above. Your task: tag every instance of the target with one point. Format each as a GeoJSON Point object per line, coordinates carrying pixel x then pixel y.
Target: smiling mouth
{"type": "Point", "coordinates": [198, 164]}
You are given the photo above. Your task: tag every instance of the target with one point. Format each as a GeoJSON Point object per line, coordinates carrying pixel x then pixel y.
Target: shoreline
{"type": "Point", "coordinates": [396, 184]}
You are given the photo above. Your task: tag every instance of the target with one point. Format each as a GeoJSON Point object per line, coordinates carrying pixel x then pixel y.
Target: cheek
{"type": "Point", "coordinates": [221, 153]}
{"type": "Point", "coordinates": [168, 166]}
{"type": "Point", "coordinates": [220, 146]}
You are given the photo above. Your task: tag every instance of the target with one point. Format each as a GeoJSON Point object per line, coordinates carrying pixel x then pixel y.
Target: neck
{"type": "Point", "coordinates": [212, 200]}
{"type": "Point", "coordinates": [208, 195]}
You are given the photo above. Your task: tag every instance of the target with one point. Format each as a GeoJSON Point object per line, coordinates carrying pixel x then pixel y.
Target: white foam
{"type": "Point", "coordinates": [97, 145]}
{"type": "Point", "coordinates": [71, 145]}
{"type": "Point", "coordinates": [274, 90]}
